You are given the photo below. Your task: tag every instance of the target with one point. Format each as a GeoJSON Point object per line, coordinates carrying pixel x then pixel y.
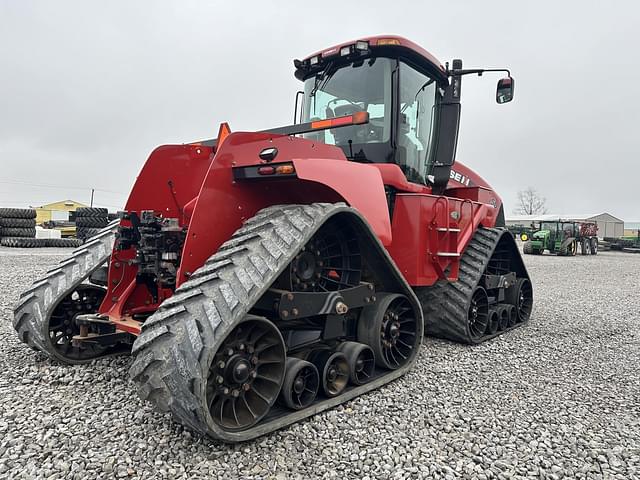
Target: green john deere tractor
{"type": "Point", "coordinates": [562, 238]}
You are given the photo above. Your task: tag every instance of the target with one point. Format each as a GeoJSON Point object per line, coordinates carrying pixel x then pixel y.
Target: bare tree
{"type": "Point", "coordinates": [530, 202]}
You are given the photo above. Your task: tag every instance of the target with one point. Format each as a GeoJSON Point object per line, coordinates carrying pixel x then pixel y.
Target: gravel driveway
{"type": "Point", "coordinates": [559, 398]}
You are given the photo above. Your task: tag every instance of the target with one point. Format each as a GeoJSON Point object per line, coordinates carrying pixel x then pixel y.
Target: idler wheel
{"type": "Point", "coordinates": [246, 374]}
{"type": "Point", "coordinates": [63, 327]}
{"type": "Point", "coordinates": [478, 313]}
{"type": "Point", "coordinates": [390, 328]}
{"type": "Point", "coordinates": [361, 361]}
{"type": "Point", "coordinates": [301, 382]}
{"type": "Point", "coordinates": [334, 371]}
{"type": "Point", "coordinates": [521, 295]}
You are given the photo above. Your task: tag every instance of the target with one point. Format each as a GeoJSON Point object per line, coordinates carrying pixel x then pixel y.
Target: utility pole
{"type": "Point", "coordinates": [92, 190]}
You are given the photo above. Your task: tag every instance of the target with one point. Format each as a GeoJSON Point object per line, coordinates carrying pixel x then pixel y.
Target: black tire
{"type": "Point", "coordinates": [64, 242]}
{"type": "Point", "coordinates": [527, 248]}
{"type": "Point", "coordinates": [85, 233]}
{"type": "Point", "coordinates": [92, 212]}
{"type": "Point", "coordinates": [92, 222]}
{"type": "Point", "coordinates": [17, 213]}
{"type": "Point", "coordinates": [18, 222]}
{"type": "Point", "coordinates": [17, 242]}
{"type": "Point", "coordinates": [18, 232]}
{"type": "Point", "coordinates": [594, 246]}
{"type": "Point", "coordinates": [585, 246]}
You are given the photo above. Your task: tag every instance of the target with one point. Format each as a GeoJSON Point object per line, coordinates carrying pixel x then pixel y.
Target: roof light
{"type": "Point", "coordinates": [344, 51]}
{"type": "Point", "coordinates": [314, 60]}
{"type": "Point", "coordinates": [388, 41]}
{"type": "Point", "coordinates": [362, 45]}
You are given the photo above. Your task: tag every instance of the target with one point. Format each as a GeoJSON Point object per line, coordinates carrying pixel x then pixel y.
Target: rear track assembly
{"type": "Point", "coordinates": [44, 314]}
{"type": "Point", "coordinates": [192, 360]}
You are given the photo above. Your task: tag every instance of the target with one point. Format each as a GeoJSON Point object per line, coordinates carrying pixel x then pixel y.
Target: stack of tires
{"type": "Point", "coordinates": [18, 227]}
{"type": "Point", "coordinates": [89, 221]}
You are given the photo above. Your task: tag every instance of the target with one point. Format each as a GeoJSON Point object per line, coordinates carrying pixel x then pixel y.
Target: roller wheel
{"type": "Point", "coordinates": [478, 313]}
{"type": "Point", "coordinates": [594, 246]}
{"type": "Point", "coordinates": [512, 314]}
{"type": "Point", "coordinates": [301, 382]}
{"type": "Point", "coordinates": [494, 320]}
{"type": "Point", "coordinates": [520, 295]}
{"type": "Point", "coordinates": [503, 321]}
{"type": "Point", "coordinates": [390, 328]}
{"type": "Point", "coordinates": [361, 361]}
{"type": "Point", "coordinates": [246, 374]}
{"type": "Point", "coordinates": [334, 371]}
{"type": "Point", "coordinates": [62, 325]}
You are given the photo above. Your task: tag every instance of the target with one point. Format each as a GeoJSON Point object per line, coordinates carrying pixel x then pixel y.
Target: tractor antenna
{"type": "Point", "coordinates": [350, 149]}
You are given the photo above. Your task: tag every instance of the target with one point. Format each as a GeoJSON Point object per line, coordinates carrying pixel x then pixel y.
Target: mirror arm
{"type": "Point", "coordinates": [478, 71]}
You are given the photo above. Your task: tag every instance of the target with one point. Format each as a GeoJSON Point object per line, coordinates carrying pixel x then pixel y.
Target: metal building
{"type": "Point", "coordinates": [608, 225]}
{"type": "Point", "coordinates": [56, 211]}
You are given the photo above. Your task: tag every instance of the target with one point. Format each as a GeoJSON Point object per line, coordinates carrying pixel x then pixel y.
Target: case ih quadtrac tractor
{"type": "Point", "coordinates": [262, 277]}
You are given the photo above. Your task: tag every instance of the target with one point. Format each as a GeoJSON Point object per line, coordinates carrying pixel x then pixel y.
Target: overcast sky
{"type": "Point", "coordinates": [88, 88]}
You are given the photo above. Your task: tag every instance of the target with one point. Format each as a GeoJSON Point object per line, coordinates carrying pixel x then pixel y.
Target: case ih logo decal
{"type": "Point", "coordinates": [458, 177]}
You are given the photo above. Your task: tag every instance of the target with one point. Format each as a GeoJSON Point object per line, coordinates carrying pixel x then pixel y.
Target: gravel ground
{"type": "Point", "coordinates": [559, 398]}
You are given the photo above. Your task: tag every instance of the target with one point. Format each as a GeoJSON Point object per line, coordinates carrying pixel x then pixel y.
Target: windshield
{"type": "Point", "coordinates": [549, 226]}
{"type": "Point", "coordinates": [360, 86]}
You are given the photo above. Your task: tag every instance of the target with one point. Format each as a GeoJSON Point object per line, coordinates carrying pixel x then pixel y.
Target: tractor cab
{"type": "Point", "coordinates": [412, 101]}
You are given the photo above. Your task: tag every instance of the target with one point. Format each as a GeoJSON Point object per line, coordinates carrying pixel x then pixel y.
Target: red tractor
{"type": "Point", "coordinates": [262, 277]}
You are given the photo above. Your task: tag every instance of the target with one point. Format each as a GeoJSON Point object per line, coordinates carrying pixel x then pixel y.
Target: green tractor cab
{"type": "Point", "coordinates": [562, 238]}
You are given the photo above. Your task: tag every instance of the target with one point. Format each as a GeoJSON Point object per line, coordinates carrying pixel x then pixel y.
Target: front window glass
{"type": "Point", "coordinates": [415, 124]}
{"type": "Point", "coordinates": [360, 86]}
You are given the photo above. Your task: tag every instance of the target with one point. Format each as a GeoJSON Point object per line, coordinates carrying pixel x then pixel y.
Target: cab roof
{"type": "Point", "coordinates": [391, 45]}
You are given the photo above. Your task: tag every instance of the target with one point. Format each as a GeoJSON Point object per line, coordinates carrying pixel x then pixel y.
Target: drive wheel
{"type": "Point", "coordinates": [246, 374]}
{"type": "Point", "coordinates": [390, 328]}
{"type": "Point", "coordinates": [478, 313]}
{"type": "Point", "coordinates": [594, 246]}
{"type": "Point", "coordinates": [527, 248]}
{"type": "Point", "coordinates": [62, 324]}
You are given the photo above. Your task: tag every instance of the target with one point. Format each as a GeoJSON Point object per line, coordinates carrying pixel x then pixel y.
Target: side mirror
{"type": "Point", "coordinates": [504, 92]}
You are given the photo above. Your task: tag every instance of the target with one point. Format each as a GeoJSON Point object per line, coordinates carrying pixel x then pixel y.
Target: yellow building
{"type": "Point", "coordinates": [56, 211]}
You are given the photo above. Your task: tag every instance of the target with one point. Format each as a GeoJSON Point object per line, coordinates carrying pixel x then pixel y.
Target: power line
{"type": "Point", "coordinates": [62, 187]}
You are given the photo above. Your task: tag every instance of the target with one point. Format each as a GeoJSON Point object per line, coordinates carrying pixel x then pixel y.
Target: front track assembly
{"type": "Point", "coordinates": [301, 310]}
{"type": "Point", "coordinates": [493, 293]}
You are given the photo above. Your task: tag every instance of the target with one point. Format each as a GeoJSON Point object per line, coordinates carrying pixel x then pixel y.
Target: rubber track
{"type": "Point", "coordinates": [445, 304]}
{"type": "Point", "coordinates": [178, 342]}
{"type": "Point", "coordinates": [35, 305]}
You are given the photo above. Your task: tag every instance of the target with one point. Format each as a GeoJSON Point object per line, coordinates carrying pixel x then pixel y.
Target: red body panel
{"type": "Point", "coordinates": [427, 234]}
